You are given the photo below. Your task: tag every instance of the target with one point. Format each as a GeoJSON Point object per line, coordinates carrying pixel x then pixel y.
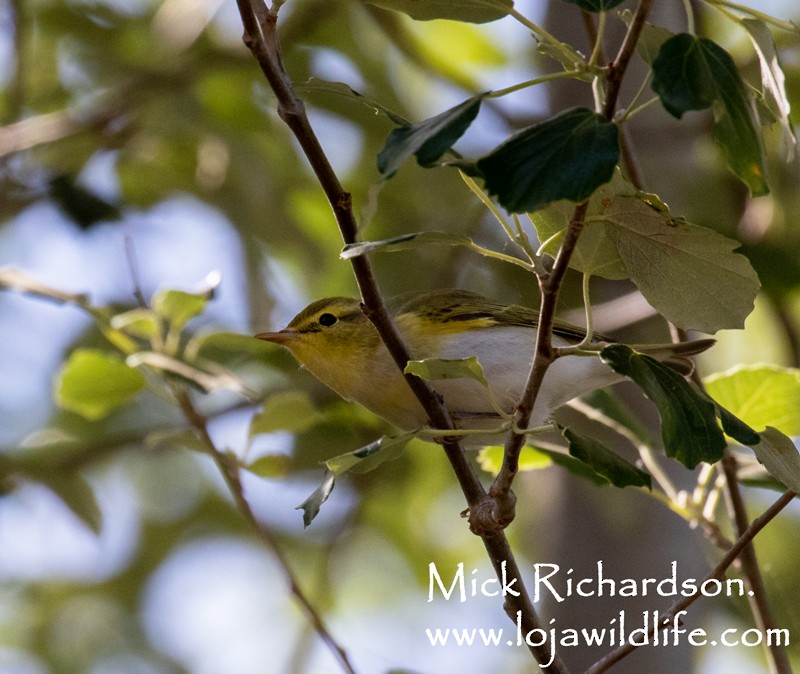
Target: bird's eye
{"type": "Point", "coordinates": [327, 320]}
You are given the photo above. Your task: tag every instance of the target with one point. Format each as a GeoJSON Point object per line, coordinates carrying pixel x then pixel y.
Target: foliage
{"type": "Point", "coordinates": [112, 114]}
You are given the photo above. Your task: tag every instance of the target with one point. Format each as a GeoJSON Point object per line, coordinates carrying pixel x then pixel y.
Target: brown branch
{"type": "Point", "coordinates": [717, 573]}
{"type": "Point", "coordinates": [260, 35]}
{"type": "Point", "coordinates": [229, 469]}
{"type": "Point", "coordinates": [550, 284]}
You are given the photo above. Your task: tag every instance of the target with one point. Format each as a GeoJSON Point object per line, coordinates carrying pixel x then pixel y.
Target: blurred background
{"type": "Point", "coordinates": [139, 150]}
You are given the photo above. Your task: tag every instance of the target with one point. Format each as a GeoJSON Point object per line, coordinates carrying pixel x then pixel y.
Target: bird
{"type": "Point", "coordinates": [334, 340]}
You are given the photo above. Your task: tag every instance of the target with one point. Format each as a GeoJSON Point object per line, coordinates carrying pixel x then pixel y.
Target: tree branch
{"type": "Point", "coordinates": [229, 470]}
{"type": "Point", "coordinates": [550, 284]}
{"type": "Point", "coordinates": [717, 573]}
{"type": "Point", "coordinates": [260, 35]}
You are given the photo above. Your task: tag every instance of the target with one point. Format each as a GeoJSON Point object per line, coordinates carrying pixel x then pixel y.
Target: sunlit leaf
{"type": "Point", "coordinates": [434, 369]}
{"type": "Point", "coordinates": [471, 11]}
{"type": "Point", "coordinates": [427, 140]}
{"type": "Point", "coordinates": [93, 383]}
{"type": "Point", "coordinates": [689, 425]}
{"type": "Point", "coordinates": [565, 157]}
{"type": "Point", "coordinates": [694, 73]}
{"type": "Point", "coordinates": [316, 85]}
{"type": "Point", "coordinates": [605, 462]}
{"type": "Point", "coordinates": [760, 395]}
{"type": "Point", "coordinates": [530, 458]}
{"type": "Point", "coordinates": [179, 307]}
{"type": "Point", "coordinates": [291, 411]}
{"type": "Point", "coordinates": [137, 322]}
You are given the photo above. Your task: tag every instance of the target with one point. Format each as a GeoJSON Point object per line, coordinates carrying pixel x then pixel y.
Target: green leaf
{"type": "Point", "coordinates": [434, 369]}
{"type": "Point", "coordinates": [470, 11]}
{"type": "Point", "coordinates": [760, 395]}
{"type": "Point", "coordinates": [93, 383]}
{"type": "Point", "coordinates": [137, 322]}
{"type": "Point", "coordinates": [427, 140]}
{"type": "Point", "coordinates": [595, 5]}
{"type": "Point", "coordinates": [694, 73]}
{"type": "Point", "coordinates": [773, 81]}
{"type": "Point", "coordinates": [690, 274]}
{"type": "Point", "coordinates": [316, 85]}
{"type": "Point", "coordinates": [179, 307]}
{"type": "Point", "coordinates": [530, 458]}
{"type": "Point", "coordinates": [689, 425]}
{"type": "Point", "coordinates": [565, 157]}
{"type": "Point", "coordinates": [291, 411]}
{"type": "Point", "coordinates": [780, 457]}
{"type": "Point", "coordinates": [596, 253]}
{"type": "Point", "coordinates": [606, 463]}
{"type": "Point", "coordinates": [270, 465]}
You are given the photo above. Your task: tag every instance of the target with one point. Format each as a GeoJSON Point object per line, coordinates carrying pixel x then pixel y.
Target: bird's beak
{"type": "Point", "coordinates": [282, 337]}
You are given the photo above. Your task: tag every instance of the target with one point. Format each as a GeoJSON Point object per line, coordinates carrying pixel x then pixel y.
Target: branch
{"type": "Point", "coordinates": [550, 285]}
{"type": "Point", "coordinates": [229, 470]}
{"type": "Point", "coordinates": [260, 36]}
{"type": "Point", "coordinates": [717, 573]}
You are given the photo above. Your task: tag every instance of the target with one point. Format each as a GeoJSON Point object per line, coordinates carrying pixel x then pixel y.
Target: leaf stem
{"type": "Point", "coordinates": [790, 26]}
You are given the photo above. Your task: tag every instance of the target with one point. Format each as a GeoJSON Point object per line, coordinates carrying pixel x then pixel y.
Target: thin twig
{"type": "Point", "coordinates": [260, 35]}
{"type": "Point", "coordinates": [717, 573]}
{"type": "Point", "coordinates": [229, 470]}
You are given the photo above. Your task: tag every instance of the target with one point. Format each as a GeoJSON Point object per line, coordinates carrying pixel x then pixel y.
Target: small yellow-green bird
{"type": "Point", "coordinates": [335, 341]}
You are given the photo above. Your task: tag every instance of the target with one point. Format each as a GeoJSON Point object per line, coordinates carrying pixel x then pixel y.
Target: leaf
{"type": "Point", "coordinates": [178, 307]}
{"type": "Point", "coordinates": [470, 11]}
{"type": "Point", "coordinates": [434, 369]}
{"type": "Point", "coordinates": [773, 81]}
{"type": "Point", "coordinates": [76, 493]}
{"type": "Point", "coordinates": [427, 140]}
{"type": "Point", "coordinates": [596, 253]}
{"type": "Point", "coordinates": [313, 503]}
{"type": "Point", "coordinates": [362, 460]}
{"type": "Point", "coordinates": [270, 465]}
{"type": "Point", "coordinates": [565, 157]}
{"type": "Point", "coordinates": [603, 461]}
{"type": "Point", "coordinates": [403, 242]}
{"type": "Point", "coordinates": [694, 73]}
{"type": "Point", "coordinates": [314, 85]}
{"type": "Point", "coordinates": [689, 425]}
{"type": "Point", "coordinates": [760, 395]}
{"type": "Point", "coordinates": [137, 322]}
{"type": "Point", "coordinates": [530, 458]}
{"type": "Point", "coordinates": [595, 5]}
{"type": "Point", "coordinates": [291, 411]}
{"type": "Point", "coordinates": [93, 383]}
{"type": "Point", "coordinates": [780, 457]}
{"type": "Point", "coordinates": [690, 274]}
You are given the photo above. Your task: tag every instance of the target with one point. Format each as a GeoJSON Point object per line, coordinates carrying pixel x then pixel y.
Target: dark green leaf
{"type": "Point", "coordinates": [429, 139]}
{"type": "Point", "coordinates": [692, 73]}
{"type": "Point", "coordinates": [576, 467]}
{"type": "Point", "coordinates": [736, 428]}
{"type": "Point", "coordinates": [689, 425]}
{"type": "Point", "coordinates": [92, 383]}
{"type": "Point", "coordinates": [603, 461]}
{"type": "Point", "coordinates": [595, 5]}
{"type": "Point", "coordinates": [470, 11]}
{"type": "Point", "coordinates": [566, 157]}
